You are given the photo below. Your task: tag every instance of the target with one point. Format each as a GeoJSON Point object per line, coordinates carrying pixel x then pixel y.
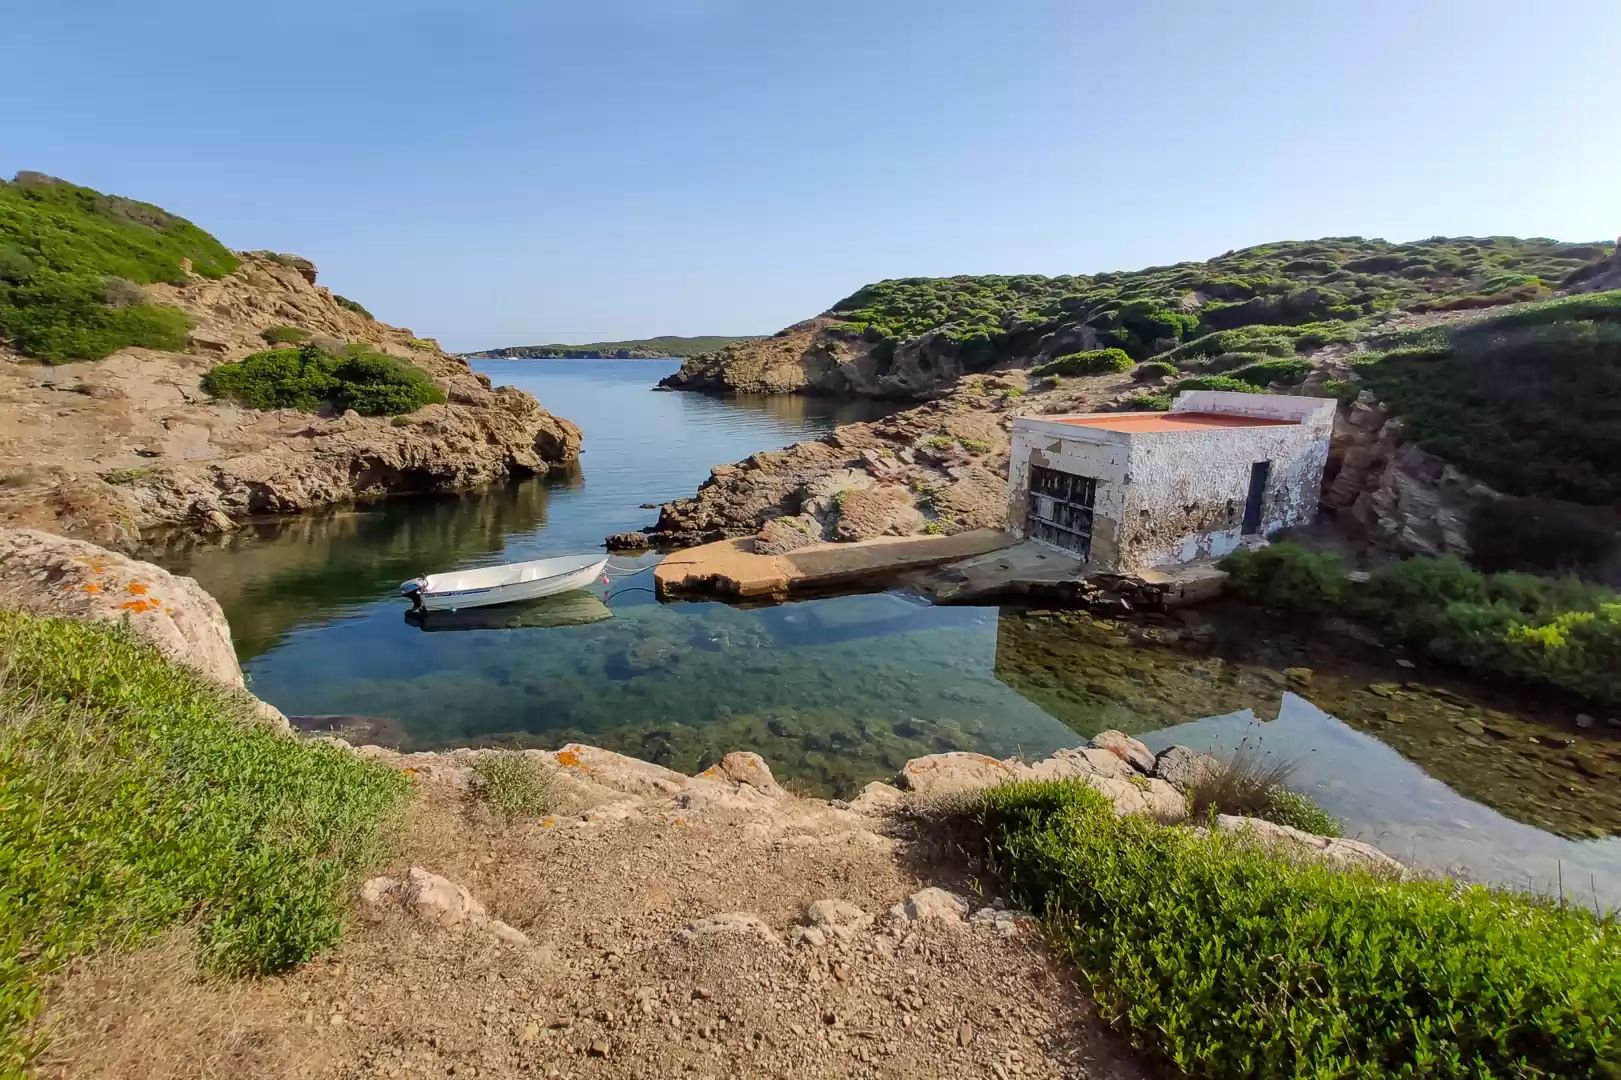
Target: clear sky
{"type": "Point", "coordinates": [499, 172]}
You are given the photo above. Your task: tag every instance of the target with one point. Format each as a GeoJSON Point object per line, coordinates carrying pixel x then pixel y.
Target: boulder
{"type": "Point", "coordinates": [625, 541]}
{"type": "Point", "coordinates": [957, 771]}
{"type": "Point", "coordinates": [1080, 762]}
{"type": "Point", "coordinates": [931, 904]}
{"type": "Point", "coordinates": [1127, 749]}
{"type": "Point", "coordinates": [748, 768]}
{"type": "Point", "coordinates": [1284, 840]}
{"type": "Point", "coordinates": [630, 775]}
{"type": "Point", "coordinates": [1182, 768]}
{"type": "Point", "coordinates": [46, 574]}
{"type": "Point", "coordinates": [434, 899]}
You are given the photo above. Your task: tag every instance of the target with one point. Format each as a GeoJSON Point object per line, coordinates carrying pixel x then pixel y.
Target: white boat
{"type": "Point", "coordinates": [503, 584]}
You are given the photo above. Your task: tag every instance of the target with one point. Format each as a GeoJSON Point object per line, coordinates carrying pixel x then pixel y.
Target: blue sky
{"type": "Point", "coordinates": [499, 172]}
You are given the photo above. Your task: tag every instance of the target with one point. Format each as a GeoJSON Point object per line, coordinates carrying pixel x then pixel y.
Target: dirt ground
{"type": "Point", "coordinates": [610, 985]}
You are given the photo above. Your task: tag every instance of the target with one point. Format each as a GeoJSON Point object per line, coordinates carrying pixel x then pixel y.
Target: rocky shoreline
{"type": "Point", "coordinates": [106, 449]}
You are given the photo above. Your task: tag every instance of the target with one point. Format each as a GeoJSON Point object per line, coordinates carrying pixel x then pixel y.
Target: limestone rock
{"type": "Point", "coordinates": [748, 768]}
{"type": "Point", "coordinates": [877, 511]}
{"type": "Point", "coordinates": [877, 798]}
{"type": "Point", "coordinates": [52, 575]}
{"type": "Point", "coordinates": [956, 771]}
{"type": "Point", "coordinates": [1153, 798]}
{"type": "Point", "coordinates": [836, 918]}
{"type": "Point", "coordinates": [1182, 768]}
{"type": "Point", "coordinates": [435, 899]}
{"type": "Point", "coordinates": [1127, 749]}
{"type": "Point", "coordinates": [729, 923]}
{"type": "Point", "coordinates": [1336, 851]}
{"type": "Point", "coordinates": [781, 535]}
{"type": "Point", "coordinates": [934, 904]}
{"type": "Point", "coordinates": [627, 774]}
{"type": "Point", "coordinates": [1078, 762]}
{"type": "Point", "coordinates": [625, 541]}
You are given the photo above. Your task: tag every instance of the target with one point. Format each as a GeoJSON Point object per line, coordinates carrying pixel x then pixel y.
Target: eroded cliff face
{"type": "Point", "coordinates": [106, 448]}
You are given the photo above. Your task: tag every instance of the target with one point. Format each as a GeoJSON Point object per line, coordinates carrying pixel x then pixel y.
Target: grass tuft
{"type": "Point", "coordinates": [514, 785]}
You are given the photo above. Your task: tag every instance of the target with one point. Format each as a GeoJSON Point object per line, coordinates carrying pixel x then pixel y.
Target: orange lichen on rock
{"type": "Point", "coordinates": [136, 588]}
{"type": "Point", "coordinates": [91, 587]}
{"type": "Point", "coordinates": [138, 607]}
{"type": "Point", "coordinates": [568, 758]}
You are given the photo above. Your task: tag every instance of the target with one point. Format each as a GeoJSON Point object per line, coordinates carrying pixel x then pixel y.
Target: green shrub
{"type": "Point", "coordinates": [285, 335]}
{"type": "Point", "coordinates": [1268, 372]}
{"type": "Point", "coordinates": [70, 261]}
{"type": "Point", "coordinates": [974, 446]}
{"type": "Point", "coordinates": [136, 796]}
{"type": "Point", "coordinates": [1216, 382]}
{"type": "Point", "coordinates": [940, 442]}
{"type": "Point", "coordinates": [1219, 959]}
{"type": "Point", "coordinates": [1287, 575]}
{"type": "Point", "coordinates": [1299, 812]}
{"type": "Point", "coordinates": [425, 343]}
{"type": "Point", "coordinates": [351, 305]}
{"type": "Point", "coordinates": [1149, 402]}
{"type": "Point", "coordinates": [1096, 362]}
{"type": "Point", "coordinates": [372, 384]}
{"type": "Point", "coordinates": [1343, 391]}
{"type": "Point", "coordinates": [1154, 369]}
{"type": "Point", "coordinates": [513, 785]}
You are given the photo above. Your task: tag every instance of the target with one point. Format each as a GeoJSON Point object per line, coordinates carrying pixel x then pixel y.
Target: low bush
{"type": "Point", "coordinates": [427, 344]}
{"type": "Point", "coordinates": [1287, 575]}
{"type": "Point", "coordinates": [1254, 783]}
{"type": "Point", "coordinates": [351, 305]}
{"type": "Point", "coordinates": [285, 335]}
{"type": "Point", "coordinates": [1095, 362]}
{"type": "Point", "coordinates": [62, 318]}
{"type": "Point", "coordinates": [974, 446]}
{"type": "Point", "coordinates": [372, 384]}
{"type": "Point", "coordinates": [1154, 369]}
{"type": "Point", "coordinates": [1267, 372]}
{"type": "Point", "coordinates": [513, 785]}
{"type": "Point", "coordinates": [1149, 402]}
{"type": "Point", "coordinates": [1219, 959]}
{"type": "Point", "coordinates": [1216, 382]}
{"type": "Point", "coordinates": [136, 796]}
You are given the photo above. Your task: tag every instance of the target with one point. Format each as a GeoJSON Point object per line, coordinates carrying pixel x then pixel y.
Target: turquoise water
{"type": "Point", "coordinates": [833, 692]}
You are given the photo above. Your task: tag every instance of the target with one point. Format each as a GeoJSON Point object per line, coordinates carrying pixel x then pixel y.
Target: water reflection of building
{"type": "Point", "coordinates": [1090, 675]}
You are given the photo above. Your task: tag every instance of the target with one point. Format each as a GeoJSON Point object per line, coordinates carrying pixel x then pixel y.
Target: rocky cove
{"type": "Point", "coordinates": [837, 692]}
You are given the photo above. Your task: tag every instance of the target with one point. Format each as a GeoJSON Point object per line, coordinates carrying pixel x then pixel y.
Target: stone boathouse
{"type": "Point", "coordinates": [1128, 492]}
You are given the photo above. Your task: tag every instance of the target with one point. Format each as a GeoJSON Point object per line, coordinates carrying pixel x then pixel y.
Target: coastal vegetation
{"type": "Point", "coordinates": [1093, 362]}
{"type": "Point", "coordinates": [1560, 632]}
{"type": "Point", "coordinates": [72, 263]}
{"type": "Point", "coordinates": [1274, 299]}
{"type": "Point", "coordinates": [1219, 958]}
{"type": "Point", "coordinates": [1528, 401]}
{"type": "Point", "coordinates": [308, 378]}
{"type": "Point", "coordinates": [634, 349]}
{"type": "Point", "coordinates": [136, 797]}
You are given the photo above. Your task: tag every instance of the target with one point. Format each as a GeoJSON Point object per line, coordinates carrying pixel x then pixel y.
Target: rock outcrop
{"type": "Point", "coordinates": [817, 357]}
{"type": "Point", "coordinates": [1392, 493]}
{"type": "Point", "coordinates": [939, 468]}
{"type": "Point", "coordinates": [106, 448]}
{"type": "Point", "coordinates": [51, 575]}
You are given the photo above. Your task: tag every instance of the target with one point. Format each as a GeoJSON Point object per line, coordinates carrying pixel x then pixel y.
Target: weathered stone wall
{"type": "Point", "coordinates": [1173, 496]}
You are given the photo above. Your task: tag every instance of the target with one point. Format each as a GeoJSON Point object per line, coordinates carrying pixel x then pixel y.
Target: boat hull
{"type": "Point", "coordinates": [510, 592]}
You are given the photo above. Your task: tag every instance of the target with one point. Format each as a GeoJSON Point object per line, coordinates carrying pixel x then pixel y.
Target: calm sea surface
{"type": "Point", "coordinates": [840, 691]}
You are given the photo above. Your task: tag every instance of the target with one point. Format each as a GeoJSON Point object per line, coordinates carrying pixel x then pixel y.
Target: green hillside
{"type": "Point", "coordinates": [638, 348]}
{"type": "Point", "coordinates": [70, 263]}
{"type": "Point", "coordinates": [1281, 295]}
